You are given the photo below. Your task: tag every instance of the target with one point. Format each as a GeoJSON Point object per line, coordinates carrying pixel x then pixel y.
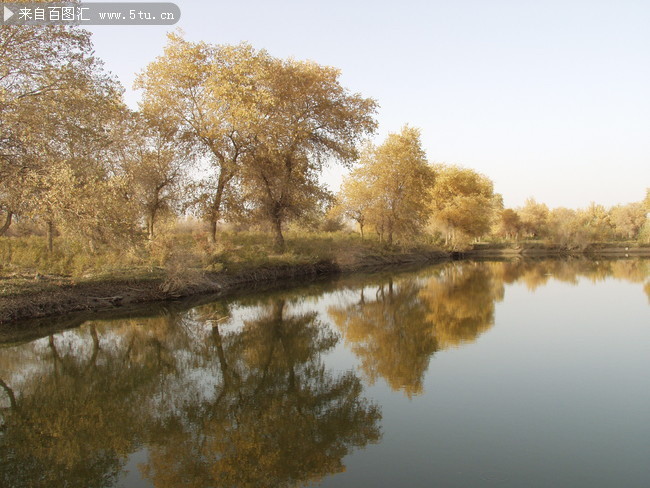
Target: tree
{"type": "Point", "coordinates": [628, 219]}
{"type": "Point", "coordinates": [209, 93]}
{"type": "Point", "coordinates": [462, 203]}
{"type": "Point", "coordinates": [534, 218]}
{"type": "Point", "coordinates": [644, 233]}
{"type": "Point", "coordinates": [156, 168]}
{"type": "Point", "coordinates": [355, 199]}
{"type": "Point", "coordinates": [305, 120]}
{"type": "Point", "coordinates": [43, 75]}
{"type": "Point", "coordinates": [509, 224]}
{"type": "Point", "coordinates": [58, 113]}
{"type": "Point", "coordinates": [389, 188]}
{"type": "Point", "coordinates": [566, 228]}
{"type": "Point", "coordinates": [596, 220]}
{"type": "Point", "coordinates": [76, 185]}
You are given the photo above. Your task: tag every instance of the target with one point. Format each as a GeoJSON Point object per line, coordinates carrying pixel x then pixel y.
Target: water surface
{"type": "Point", "coordinates": [503, 374]}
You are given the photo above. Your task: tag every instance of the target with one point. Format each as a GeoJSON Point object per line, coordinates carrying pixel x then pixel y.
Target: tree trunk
{"type": "Point", "coordinates": [213, 231]}
{"type": "Point", "coordinates": [279, 238]}
{"type": "Point", "coordinates": [50, 236]}
{"type": "Point", "coordinates": [216, 207]}
{"type": "Point", "coordinates": [361, 229]}
{"type": "Point", "coordinates": [152, 218]}
{"type": "Point", "coordinates": [7, 223]}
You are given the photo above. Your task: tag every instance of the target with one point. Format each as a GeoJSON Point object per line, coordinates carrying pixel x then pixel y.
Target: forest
{"type": "Point", "coordinates": [222, 165]}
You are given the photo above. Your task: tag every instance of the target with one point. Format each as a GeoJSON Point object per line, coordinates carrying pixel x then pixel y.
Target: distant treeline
{"type": "Point", "coordinates": [233, 134]}
{"type": "Point", "coordinates": [396, 192]}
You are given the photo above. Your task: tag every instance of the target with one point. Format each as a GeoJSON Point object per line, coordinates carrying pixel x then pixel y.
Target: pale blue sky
{"type": "Point", "coordinates": [550, 99]}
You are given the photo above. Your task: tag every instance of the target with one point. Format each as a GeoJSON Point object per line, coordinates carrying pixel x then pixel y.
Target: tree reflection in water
{"type": "Point", "coordinates": [396, 330]}
{"type": "Point", "coordinates": [253, 407]}
{"type": "Point", "coordinates": [279, 418]}
{"type": "Point", "coordinates": [214, 399]}
{"type": "Point", "coordinates": [396, 325]}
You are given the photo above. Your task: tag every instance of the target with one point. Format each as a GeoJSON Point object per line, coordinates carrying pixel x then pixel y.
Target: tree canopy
{"type": "Point", "coordinates": [462, 202]}
{"type": "Point", "coordinates": [389, 187]}
{"type": "Point", "coordinates": [269, 124]}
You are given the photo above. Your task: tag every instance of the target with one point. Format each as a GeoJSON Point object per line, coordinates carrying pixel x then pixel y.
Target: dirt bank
{"type": "Point", "coordinates": [55, 296]}
{"type": "Point", "coordinates": [541, 250]}
{"type": "Point", "coordinates": [48, 296]}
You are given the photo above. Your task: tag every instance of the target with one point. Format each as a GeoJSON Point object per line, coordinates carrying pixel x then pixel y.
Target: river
{"type": "Point", "coordinates": [491, 374]}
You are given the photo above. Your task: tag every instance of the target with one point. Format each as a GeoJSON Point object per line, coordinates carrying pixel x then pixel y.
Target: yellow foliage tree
{"type": "Point", "coordinates": [56, 109]}
{"type": "Point", "coordinates": [462, 203]}
{"type": "Point", "coordinates": [628, 220]}
{"type": "Point", "coordinates": [306, 119]}
{"type": "Point", "coordinates": [389, 188]}
{"type": "Point", "coordinates": [156, 168]}
{"type": "Point", "coordinates": [534, 218]}
{"type": "Point", "coordinates": [355, 200]}
{"type": "Point", "coordinates": [509, 224]}
{"type": "Point", "coordinates": [209, 94]}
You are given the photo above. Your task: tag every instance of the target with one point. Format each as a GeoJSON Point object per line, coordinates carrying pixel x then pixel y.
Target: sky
{"type": "Point", "coordinates": [551, 99]}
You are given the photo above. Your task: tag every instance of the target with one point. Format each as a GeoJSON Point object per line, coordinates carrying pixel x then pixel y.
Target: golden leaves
{"type": "Point", "coordinates": [389, 188]}
{"type": "Point", "coordinates": [462, 203]}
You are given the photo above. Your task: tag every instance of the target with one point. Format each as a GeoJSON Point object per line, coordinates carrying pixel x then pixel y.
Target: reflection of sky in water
{"type": "Point", "coordinates": [555, 394]}
{"type": "Point", "coordinates": [131, 476]}
{"type": "Point", "coordinates": [552, 391]}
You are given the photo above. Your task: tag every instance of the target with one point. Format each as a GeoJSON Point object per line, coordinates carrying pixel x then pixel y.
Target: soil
{"type": "Point", "coordinates": [56, 296]}
{"type": "Point", "coordinates": [49, 296]}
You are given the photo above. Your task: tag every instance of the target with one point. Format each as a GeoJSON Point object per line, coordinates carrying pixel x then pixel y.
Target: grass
{"type": "Point", "coordinates": [26, 262]}
{"type": "Point", "coordinates": [175, 263]}
{"type": "Point", "coordinates": [181, 254]}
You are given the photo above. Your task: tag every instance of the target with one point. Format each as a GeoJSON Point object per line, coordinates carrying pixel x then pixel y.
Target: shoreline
{"type": "Point", "coordinates": [112, 294]}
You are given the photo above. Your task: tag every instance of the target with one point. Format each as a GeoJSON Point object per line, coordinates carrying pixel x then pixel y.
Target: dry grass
{"type": "Point", "coordinates": [180, 256]}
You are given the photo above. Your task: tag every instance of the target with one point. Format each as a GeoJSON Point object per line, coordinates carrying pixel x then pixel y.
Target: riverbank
{"type": "Point", "coordinates": [37, 296]}
{"type": "Point", "coordinates": [538, 249]}
{"type": "Point", "coordinates": [44, 296]}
